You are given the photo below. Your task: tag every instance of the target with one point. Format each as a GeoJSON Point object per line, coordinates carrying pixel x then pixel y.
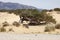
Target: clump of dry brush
{"type": "Point", "coordinates": [17, 24]}
{"type": "Point", "coordinates": [50, 27]}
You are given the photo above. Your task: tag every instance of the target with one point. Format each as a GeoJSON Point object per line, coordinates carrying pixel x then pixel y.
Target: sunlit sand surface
{"type": "Point", "coordinates": [12, 36]}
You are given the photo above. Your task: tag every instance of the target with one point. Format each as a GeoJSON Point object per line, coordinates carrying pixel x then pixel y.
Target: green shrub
{"type": "Point", "coordinates": [57, 26]}
{"type": "Point", "coordinates": [16, 24]}
{"type": "Point", "coordinates": [56, 9]}
{"type": "Point", "coordinates": [5, 24]}
{"type": "Point", "coordinates": [50, 10]}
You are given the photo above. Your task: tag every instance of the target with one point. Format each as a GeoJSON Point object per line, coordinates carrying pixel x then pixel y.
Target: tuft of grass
{"type": "Point", "coordinates": [25, 25]}
{"type": "Point", "coordinates": [11, 30]}
{"type": "Point", "coordinates": [2, 29]}
{"type": "Point", "coordinates": [17, 24]}
{"type": "Point", "coordinates": [5, 24]}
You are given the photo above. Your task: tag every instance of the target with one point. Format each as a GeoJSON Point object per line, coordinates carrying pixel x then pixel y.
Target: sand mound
{"type": "Point", "coordinates": [56, 16]}
{"type": "Point", "coordinates": [10, 18]}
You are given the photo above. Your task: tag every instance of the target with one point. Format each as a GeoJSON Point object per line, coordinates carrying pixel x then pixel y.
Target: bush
{"type": "Point", "coordinates": [50, 10]}
{"type": "Point", "coordinates": [56, 9]}
{"type": "Point", "coordinates": [2, 29]}
{"type": "Point", "coordinates": [5, 24]}
{"type": "Point", "coordinates": [16, 24]}
{"type": "Point", "coordinates": [57, 26]}
{"type": "Point", "coordinates": [25, 25]}
{"type": "Point", "coordinates": [11, 30]}
{"type": "Point", "coordinates": [49, 27]}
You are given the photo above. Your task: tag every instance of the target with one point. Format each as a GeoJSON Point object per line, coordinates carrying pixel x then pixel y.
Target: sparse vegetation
{"type": "Point", "coordinates": [5, 24]}
{"type": "Point", "coordinates": [33, 14]}
{"type": "Point", "coordinates": [57, 26]}
{"type": "Point", "coordinates": [16, 24]}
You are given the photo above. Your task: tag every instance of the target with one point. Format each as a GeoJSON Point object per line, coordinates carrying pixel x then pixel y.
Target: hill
{"type": "Point", "coordinates": [9, 6]}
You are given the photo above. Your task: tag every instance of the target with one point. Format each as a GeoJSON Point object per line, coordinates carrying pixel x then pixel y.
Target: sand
{"type": "Point", "coordinates": [13, 36]}
{"type": "Point", "coordinates": [10, 18]}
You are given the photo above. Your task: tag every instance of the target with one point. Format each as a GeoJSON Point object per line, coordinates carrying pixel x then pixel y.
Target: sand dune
{"type": "Point", "coordinates": [10, 18]}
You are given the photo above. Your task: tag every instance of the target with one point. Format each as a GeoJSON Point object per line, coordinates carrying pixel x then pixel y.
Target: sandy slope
{"type": "Point", "coordinates": [56, 16]}
{"type": "Point", "coordinates": [10, 18]}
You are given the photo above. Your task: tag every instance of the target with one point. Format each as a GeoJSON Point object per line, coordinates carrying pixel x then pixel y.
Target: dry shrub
{"type": "Point", "coordinates": [5, 24]}
{"type": "Point", "coordinates": [57, 26]}
{"type": "Point", "coordinates": [2, 29]}
{"type": "Point", "coordinates": [25, 25]}
{"type": "Point", "coordinates": [11, 29]}
{"type": "Point", "coordinates": [16, 24]}
{"type": "Point", "coordinates": [50, 27]}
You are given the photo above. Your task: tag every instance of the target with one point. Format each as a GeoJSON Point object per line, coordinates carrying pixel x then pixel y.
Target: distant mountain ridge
{"type": "Point", "coordinates": [9, 6]}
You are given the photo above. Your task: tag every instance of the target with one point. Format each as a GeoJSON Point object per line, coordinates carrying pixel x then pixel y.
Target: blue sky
{"type": "Point", "coordinates": [42, 4]}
